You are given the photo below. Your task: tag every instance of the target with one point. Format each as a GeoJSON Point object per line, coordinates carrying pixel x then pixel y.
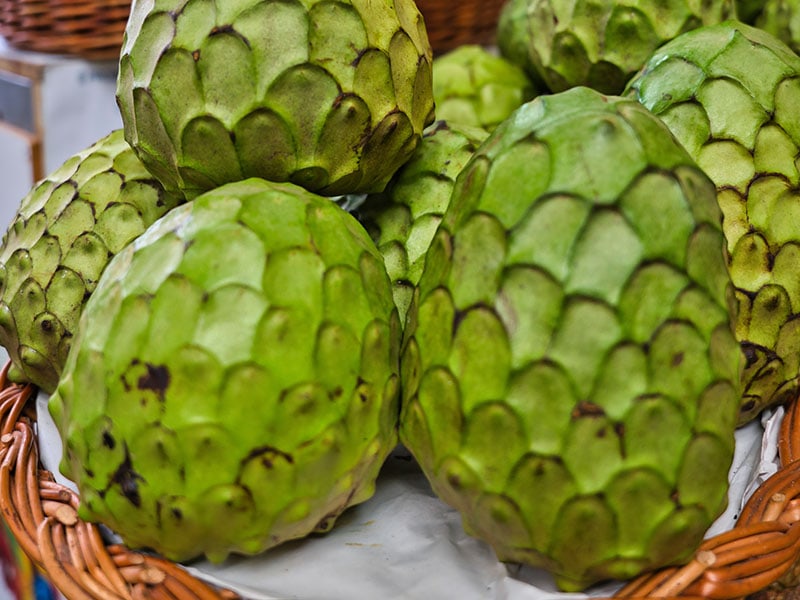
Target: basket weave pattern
{"type": "Point", "coordinates": [759, 552]}
{"type": "Point", "coordinates": [86, 28]}
{"type": "Point", "coordinates": [94, 28]}
{"type": "Point", "coordinates": [452, 24]}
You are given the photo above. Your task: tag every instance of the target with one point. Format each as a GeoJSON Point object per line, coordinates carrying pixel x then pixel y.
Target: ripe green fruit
{"type": "Point", "coordinates": [403, 218]}
{"type": "Point", "coordinates": [474, 87]}
{"type": "Point", "coordinates": [63, 235]}
{"type": "Point", "coordinates": [332, 96]}
{"type": "Point", "coordinates": [569, 371]}
{"type": "Point", "coordinates": [731, 95]}
{"type": "Point", "coordinates": [597, 43]}
{"type": "Point", "coordinates": [233, 383]}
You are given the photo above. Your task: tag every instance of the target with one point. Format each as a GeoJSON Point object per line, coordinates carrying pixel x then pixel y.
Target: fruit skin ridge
{"type": "Point", "coordinates": [403, 219]}
{"type": "Point", "coordinates": [332, 96]}
{"type": "Point", "coordinates": [64, 233]}
{"type": "Point", "coordinates": [475, 87]}
{"type": "Point", "coordinates": [234, 379]}
{"type": "Point", "coordinates": [570, 378]}
{"type": "Point", "coordinates": [596, 43]}
{"type": "Point", "coordinates": [730, 93]}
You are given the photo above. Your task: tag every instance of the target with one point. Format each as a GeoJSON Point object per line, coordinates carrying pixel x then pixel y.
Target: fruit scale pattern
{"type": "Point", "coordinates": [554, 283]}
{"type": "Point", "coordinates": [617, 391]}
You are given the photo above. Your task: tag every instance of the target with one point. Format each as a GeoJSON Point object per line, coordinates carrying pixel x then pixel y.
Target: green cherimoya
{"type": "Point", "coordinates": [570, 374]}
{"type": "Point", "coordinates": [404, 217]}
{"type": "Point", "coordinates": [476, 87]}
{"type": "Point", "coordinates": [233, 383]}
{"type": "Point", "coordinates": [596, 43]}
{"type": "Point", "coordinates": [63, 235]}
{"type": "Point", "coordinates": [331, 95]}
{"type": "Point", "coordinates": [731, 95]}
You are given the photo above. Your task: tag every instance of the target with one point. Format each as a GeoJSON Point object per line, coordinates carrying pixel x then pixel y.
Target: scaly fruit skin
{"type": "Point", "coordinates": [569, 371]}
{"type": "Point", "coordinates": [597, 43]}
{"type": "Point", "coordinates": [731, 95]}
{"type": "Point", "coordinates": [781, 18]}
{"type": "Point", "coordinates": [332, 96]}
{"type": "Point", "coordinates": [63, 235]}
{"type": "Point", "coordinates": [233, 383]}
{"type": "Point", "coordinates": [513, 39]}
{"type": "Point", "coordinates": [403, 218]}
{"type": "Point", "coordinates": [474, 87]}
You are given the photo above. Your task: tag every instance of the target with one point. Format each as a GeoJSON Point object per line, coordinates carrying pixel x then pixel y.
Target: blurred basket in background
{"type": "Point", "coordinates": [451, 24]}
{"type": "Point", "coordinates": [89, 29]}
{"type": "Point", "coordinates": [93, 29]}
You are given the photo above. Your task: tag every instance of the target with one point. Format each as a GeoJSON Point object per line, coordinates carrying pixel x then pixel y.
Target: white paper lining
{"type": "Point", "coordinates": [406, 544]}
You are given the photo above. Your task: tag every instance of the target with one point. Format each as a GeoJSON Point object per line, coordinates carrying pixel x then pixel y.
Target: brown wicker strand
{"type": "Point", "coordinates": [24, 497]}
{"type": "Point", "coordinates": [24, 536]}
{"type": "Point", "coordinates": [59, 571]}
{"type": "Point", "coordinates": [159, 593]}
{"type": "Point", "coordinates": [16, 406]}
{"type": "Point", "coordinates": [88, 576]}
{"type": "Point", "coordinates": [754, 539]}
{"type": "Point", "coordinates": [184, 579]}
{"type": "Point", "coordinates": [127, 559]}
{"type": "Point", "coordinates": [791, 513]}
{"type": "Point", "coordinates": [680, 580]}
{"type": "Point", "coordinates": [143, 592]}
{"type": "Point", "coordinates": [785, 482]}
{"type": "Point", "coordinates": [102, 562]}
{"type": "Point", "coordinates": [788, 436]}
{"type": "Point", "coordinates": [733, 567]}
{"type": "Point", "coordinates": [731, 589]}
{"type": "Point", "coordinates": [646, 587]}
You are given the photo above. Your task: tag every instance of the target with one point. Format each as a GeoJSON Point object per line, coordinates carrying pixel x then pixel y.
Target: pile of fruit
{"type": "Point", "coordinates": [561, 274]}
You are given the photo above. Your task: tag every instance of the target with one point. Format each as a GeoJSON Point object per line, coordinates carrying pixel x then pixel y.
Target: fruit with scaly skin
{"type": "Point", "coordinates": [597, 43]}
{"type": "Point", "coordinates": [569, 371]}
{"type": "Point", "coordinates": [403, 218]}
{"type": "Point", "coordinates": [332, 96]}
{"type": "Point", "coordinates": [233, 383]}
{"type": "Point", "coordinates": [64, 233]}
{"type": "Point", "coordinates": [730, 93]}
{"type": "Point", "coordinates": [474, 87]}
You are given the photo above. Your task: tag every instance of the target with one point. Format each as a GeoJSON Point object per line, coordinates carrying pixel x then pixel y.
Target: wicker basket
{"type": "Point", "coordinates": [751, 559]}
{"type": "Point", "coordinates": [93, 28]}
{"type": "Point", "coordinates": [451, 24]}
{"type": "Point", "coordinates": [86, 28]}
